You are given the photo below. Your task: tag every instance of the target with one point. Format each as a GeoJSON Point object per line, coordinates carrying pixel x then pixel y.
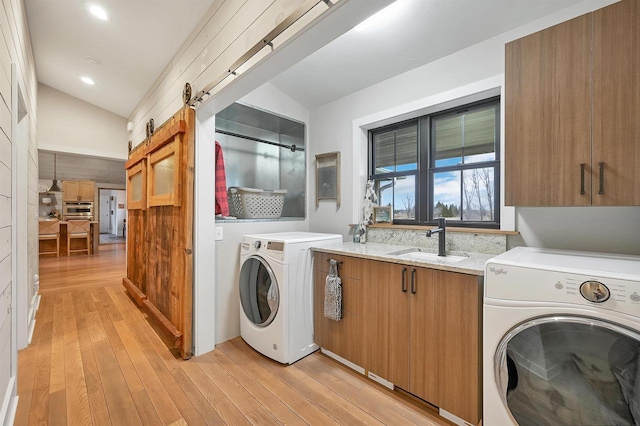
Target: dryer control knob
{"type": "Point", "coordinates": [257, 244]}
{"type": "Point", "coordinates": [594, 291]}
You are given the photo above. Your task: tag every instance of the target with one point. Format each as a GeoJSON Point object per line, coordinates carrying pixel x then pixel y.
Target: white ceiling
{"type": "Point", "coordinates": [134, 46]}
{"type": "Point", "coordinates": [406, 35]}
{"type": "Point", "coordinates": [142, 36]}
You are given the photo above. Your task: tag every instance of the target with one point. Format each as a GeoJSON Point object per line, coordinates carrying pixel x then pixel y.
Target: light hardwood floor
{"type": "Point", "coordinates": [95, 359]}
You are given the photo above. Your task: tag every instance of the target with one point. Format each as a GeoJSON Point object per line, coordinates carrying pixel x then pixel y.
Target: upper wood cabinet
{"type": "Point", "coordinates": [78, 190]}
{"type": "Point", "coordinates": [616, 104]}
{"type": "Point", "coordinates": [548, 117]}
{"type": "Point", "coordinates": [571, 107]}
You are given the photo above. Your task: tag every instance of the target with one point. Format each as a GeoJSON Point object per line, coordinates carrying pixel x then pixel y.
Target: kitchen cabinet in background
{"type": "Point", "coordinates": [571, 108]}
{"type": "Point", "coordinates": [78, 190]}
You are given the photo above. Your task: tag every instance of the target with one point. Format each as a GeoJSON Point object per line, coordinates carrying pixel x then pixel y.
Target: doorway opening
{"type": "Point", "coordinates": [112, 214]}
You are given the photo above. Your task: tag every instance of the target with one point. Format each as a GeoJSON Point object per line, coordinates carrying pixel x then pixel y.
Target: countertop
{"type": "Point", "coordinates": [472, 265]}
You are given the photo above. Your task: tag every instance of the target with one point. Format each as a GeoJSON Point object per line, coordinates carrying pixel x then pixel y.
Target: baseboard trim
{"type": "Point", "coordinates": [9, 403]}
{"type": "Point", "coordinates": [453, 418]}
{"type": "Point", "coordinates": [32, 327]}
{"type": "Point", "coordinates": [344, 361]}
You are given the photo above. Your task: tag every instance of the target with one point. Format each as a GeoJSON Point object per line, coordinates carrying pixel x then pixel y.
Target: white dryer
{"type": "Point", "coordinates": [561, 339]}
{"type": "Point", "coordinates": [276, 293]}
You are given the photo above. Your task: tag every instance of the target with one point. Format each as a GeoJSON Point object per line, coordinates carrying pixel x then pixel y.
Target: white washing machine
{"type": "Point", "coordinates": [276, 292]}
{"type": "Point", "coordinates": [561, 339]}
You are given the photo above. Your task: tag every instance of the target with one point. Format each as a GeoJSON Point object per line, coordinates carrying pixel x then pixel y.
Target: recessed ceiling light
{"type": "Point", "coordinates": [87, 80]}
{"type": "Point", "coordinates": [97, 11]}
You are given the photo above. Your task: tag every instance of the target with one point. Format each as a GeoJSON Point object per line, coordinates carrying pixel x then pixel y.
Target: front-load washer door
{"type": "Point", "coordinates": [259, 293]}
{"type": "Point", "coordinates": [565, 370]}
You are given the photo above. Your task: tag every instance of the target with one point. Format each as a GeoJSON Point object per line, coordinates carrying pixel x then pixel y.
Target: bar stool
{"type": "Point", "coordinates": [49, 230]}
{"type": "Point", "coordinates": [78, 229]}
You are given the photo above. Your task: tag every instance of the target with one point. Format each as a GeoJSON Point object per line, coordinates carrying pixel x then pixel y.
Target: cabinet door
{"type": "Point", "coordinates": [616, 104]}
{"type": "Point", "coordinates": [70, 190]}
{"type": "Point", "coordinates": [86, 190]}
{"type": "Point", "coordinates": [548, 117]}
{"type": "Point", "coordinates": [344, 337]}
{"type": "Point", "coordinates": [424, 329]}
{"type": "Point", "coordinates": [458, 343]}
{"type": "Point", "coordinates": [386, 312]}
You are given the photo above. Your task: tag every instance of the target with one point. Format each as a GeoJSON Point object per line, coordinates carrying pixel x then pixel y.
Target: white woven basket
{"type": "Point", "coordinates": [252, 203]}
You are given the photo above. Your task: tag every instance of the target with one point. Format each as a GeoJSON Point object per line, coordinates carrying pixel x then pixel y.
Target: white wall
{"type": "Point", "coordinates": [268, 98]}
{"type": "Point", "coordinates": [15, 47]}
{"type": "Point", "coordinates": [120, 214]}
{"type": "Point", "coordinates": [109, 189]}
{"type": "Point", "coordinates": [68, 124]}
{"type": "Point", "coordinates": [311, 32]}
{"type": "Point", "coordinates": [336, 127]}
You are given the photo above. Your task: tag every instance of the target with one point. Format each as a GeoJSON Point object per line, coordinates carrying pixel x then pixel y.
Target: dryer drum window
{"type": "Point", "coordinates": [259, 293]}
{"type": "Point", "coordinates": [566, 370]}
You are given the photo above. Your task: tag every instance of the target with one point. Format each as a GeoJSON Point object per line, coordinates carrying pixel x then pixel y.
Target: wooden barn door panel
{"type": "Point", "coordinates": [161, 280]}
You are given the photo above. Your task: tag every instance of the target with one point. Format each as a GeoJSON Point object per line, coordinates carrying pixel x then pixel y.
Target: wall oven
{"type": "Point", "coordinates": [77, 210]}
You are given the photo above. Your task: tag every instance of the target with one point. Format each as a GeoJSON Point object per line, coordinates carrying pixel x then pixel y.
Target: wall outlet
{"type": "Point", "coordinates": [219, 233]}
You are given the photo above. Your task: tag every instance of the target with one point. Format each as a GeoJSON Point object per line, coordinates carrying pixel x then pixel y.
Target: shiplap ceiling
{"type": "Point", "coordinates": [133, 46]}
{"type": "Point", "coordinates": [80, 167]}
{"type": "Point", "coordinates": [406, 35]}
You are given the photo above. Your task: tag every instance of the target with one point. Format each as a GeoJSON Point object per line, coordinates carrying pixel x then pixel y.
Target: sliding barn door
{"type": "Point", "coordinates": [160, 228]}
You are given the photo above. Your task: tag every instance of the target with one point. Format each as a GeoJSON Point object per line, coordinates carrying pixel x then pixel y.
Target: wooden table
{"type": "Point", "coordinates": [95, 239]}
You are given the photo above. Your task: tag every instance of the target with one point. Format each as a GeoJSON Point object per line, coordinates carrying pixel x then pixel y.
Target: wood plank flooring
{"type": "Point", "coordinates": [95, 359]}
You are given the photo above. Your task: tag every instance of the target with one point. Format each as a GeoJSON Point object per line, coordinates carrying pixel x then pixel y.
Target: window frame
{"type": "Point", "coordinates": [393, 175]}
{"type": "Point", "coordinates": [426, 169]}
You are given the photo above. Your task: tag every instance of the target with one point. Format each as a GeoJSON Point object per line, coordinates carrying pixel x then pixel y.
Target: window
{"type": "Point", "coordinates": [445, 164]}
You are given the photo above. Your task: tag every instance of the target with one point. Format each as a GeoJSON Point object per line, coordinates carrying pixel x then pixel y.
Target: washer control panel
{"type": "Point", "coordinates": [594, 291]}
{"type": "Point", "coordinates": [516, 283]}
{"type": "Point", "coordinates": [274, 249]}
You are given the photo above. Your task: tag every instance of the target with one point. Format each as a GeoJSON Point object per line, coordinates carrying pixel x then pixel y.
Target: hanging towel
{"type": "Point", "coordinates": [222, 205]}
{"type": "Point", "coordinates": [333, 293]}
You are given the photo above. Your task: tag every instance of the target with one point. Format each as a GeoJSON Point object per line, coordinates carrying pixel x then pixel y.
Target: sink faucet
{"type": "Point", "coordinates": [441, 229]}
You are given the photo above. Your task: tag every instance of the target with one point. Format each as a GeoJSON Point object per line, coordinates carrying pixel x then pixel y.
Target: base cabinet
{"type": "Point", "coordinates": [417, 328]}
{"type": "Point", "coordinates": [345, 337]}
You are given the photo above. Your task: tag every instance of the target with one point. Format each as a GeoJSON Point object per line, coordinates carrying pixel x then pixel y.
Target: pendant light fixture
{"type": "Point", "coordinates": [54, 187]}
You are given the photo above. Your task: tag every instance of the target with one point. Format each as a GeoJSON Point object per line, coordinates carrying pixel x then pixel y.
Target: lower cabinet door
{"type": "Point", "coordinates": [386, 310]}
{"type": "Point", "coordinates": [458, 345]}
{"type": "Point", "coordinates": [424, 324]}
{"type": "Point", "coordinates": [344, 337]}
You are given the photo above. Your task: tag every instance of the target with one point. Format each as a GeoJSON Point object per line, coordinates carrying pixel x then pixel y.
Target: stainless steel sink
{"type": "Point", "coordinates": [421, 255]}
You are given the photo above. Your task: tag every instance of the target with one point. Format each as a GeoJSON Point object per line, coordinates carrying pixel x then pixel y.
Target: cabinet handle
{"type": "Point", "coordinates": [404, 284]}
{"type": "Point", "coordinates": [601, 164]}
{"type": "Point", "coordinates": [582, 192]}
{"type": "Point", "coordinates": [413, 281]}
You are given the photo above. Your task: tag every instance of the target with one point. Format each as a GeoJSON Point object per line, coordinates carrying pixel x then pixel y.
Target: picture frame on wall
{"type": "Point", "coordinates": [382, 214]}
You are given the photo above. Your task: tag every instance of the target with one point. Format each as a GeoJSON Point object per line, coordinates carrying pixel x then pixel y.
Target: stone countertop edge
{"type": "Point", "coordinates": [474, 265]}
